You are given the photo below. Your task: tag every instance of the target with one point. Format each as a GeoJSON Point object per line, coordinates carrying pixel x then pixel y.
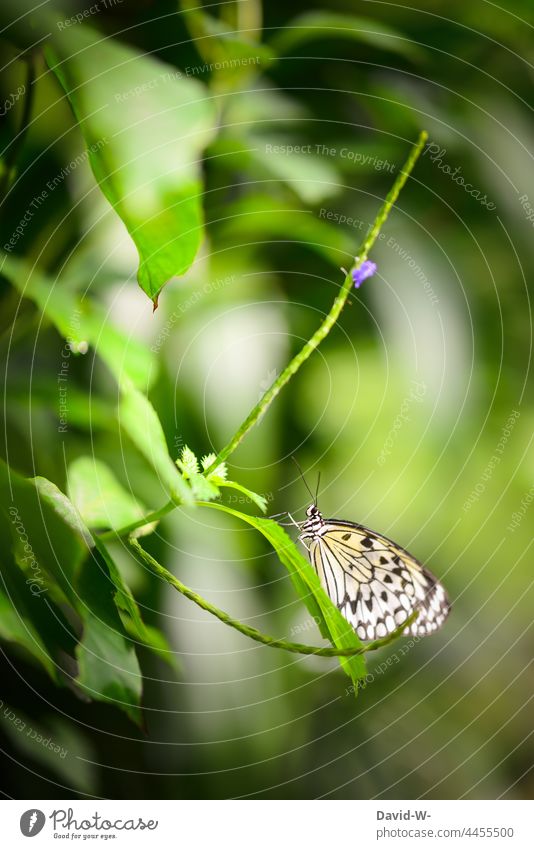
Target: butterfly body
{"type": "Point", "coordinates": [374, 582]}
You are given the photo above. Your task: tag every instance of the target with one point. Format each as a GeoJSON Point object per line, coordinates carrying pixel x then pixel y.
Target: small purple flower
{"type": "Point", "coordinates": [365, 270]}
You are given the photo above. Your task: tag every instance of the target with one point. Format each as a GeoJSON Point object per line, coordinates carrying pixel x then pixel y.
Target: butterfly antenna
{"type": "Point", "coordinates": [301, 473]}
{"type": "Point", "coordinates": [317, 488]}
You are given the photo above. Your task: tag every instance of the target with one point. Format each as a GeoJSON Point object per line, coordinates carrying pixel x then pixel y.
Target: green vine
{"type": "Point", "coordinates": [192, 472]}
{"type": "Point", "coordinates": [266, 400]}
{"type": "Point", "coordinates": [253, 633]}
{"type": "Point", "coordinates": [310, 346]}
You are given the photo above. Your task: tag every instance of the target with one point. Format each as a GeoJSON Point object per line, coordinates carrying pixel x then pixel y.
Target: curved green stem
{"type": "Point", "coordinates": [146, 520]}
{"type": "Point", "coordinates": [253, 633]}
{"type": "Point", "coordinates": [311, 345]}
{"type": "Point", "coordinates": [326, 326]}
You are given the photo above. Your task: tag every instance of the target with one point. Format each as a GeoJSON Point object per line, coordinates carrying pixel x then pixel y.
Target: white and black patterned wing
{"type": "Point", "coordinates": [375, 583]}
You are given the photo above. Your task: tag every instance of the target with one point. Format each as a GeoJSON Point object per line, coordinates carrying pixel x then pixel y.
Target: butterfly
{"type": "Point", "coordinates": [375, 583]}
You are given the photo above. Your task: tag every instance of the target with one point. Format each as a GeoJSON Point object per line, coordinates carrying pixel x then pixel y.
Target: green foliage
{"type": "Point", "coordinates": [257, 499]}
{"type": "Point", "coordinates": [82, 321]}
{"type": "Point", "coordinates": [24, 624]}
{"type": "Point", "coordinates": [266, 218]}
{"type": "Point", "coordinates": [228, 51]}
{"type": "Point", "coordinates": [67, 602]}
{"type": "Point", "coordinates": [199, 128]}
{"type": "Point", "coordinates": [121, 109]}
{"type": "Point", "coordinates": [140, 421]}
{"type": "Point", "coordinates": [312, 26]}
{"type": "Point", "coordinates": [220, 472]}
{"type": "Point", "coordinates": [331, 623]}
{"type": "Point", "coordinates": [100, 499]}
{"type": "Point", "coordinates": [90, 581]}
{"type": "Point", "coordinates": [207, 484]}
{"type": "Point", "coordinates": [70, 604]}
{"type": "Point", "coordinates": [188, 462]}
{"type": "Point", "coordinates": [311, 178]}
{"type": "Point", "coordinates": [108, 668]}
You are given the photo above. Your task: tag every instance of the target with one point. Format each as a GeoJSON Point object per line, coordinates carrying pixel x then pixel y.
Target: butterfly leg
{"type": "Point", "coordinates": [293, 520]}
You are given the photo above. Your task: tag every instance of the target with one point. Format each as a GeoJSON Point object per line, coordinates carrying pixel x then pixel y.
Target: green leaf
{"type": "Point", "coordinates": [251, 105]}
{"type": "Point", "coordinates": [139, 419]}
{"type": "Point", "coordinates": [86, 410]}
{"type": "Point", "coordinates": [144, 124]}
{"type": "Point", "coordinates": [29, 615]}
{"type": "Point", "coordinates": [81, 322]}
{"type": "Point", "coordinates": [59, 748]}
{"type": "Point", "coordinates": [332, 624]}
{"type": "Point", "coordinates": [46, 527]}
{"type": "Point", "coordinates": [33, 605]}
{"type": "Point", "coordinates": [234, 55]}
{"type": "Point", "coordinates": [100, 499]}
{"type": "Point", "coordinates": [188, 461]}
{"type": "Point", "coordinates": [219, 473]}
{"type": "Point", "coordinates": [62, 507]}
{"type": "Point", "coordinates": [311, 177]}
{"type": "Point", "coordinates": [229, 56]}
{"type": "Point", "coordinates": [156, 641]}
{"type": "Point", "coordinates": [104, 503]}
{"type": "Point", "coordinates": [265, 217]}
{"type": "Point", "coordinates": [320, 25]}
{"type": "Point", "coordinates": [257, 499]}
{"type": "Point", "coordinates": [129, 611]}
{"type": "Point", "coordinates": [124, 599]}
{"type": "Point", "coordinates": [108, 666]}
{"type": "Point", "coordinates": [18, 621]}
{"type": "Point", "coordinates": [204, 488]}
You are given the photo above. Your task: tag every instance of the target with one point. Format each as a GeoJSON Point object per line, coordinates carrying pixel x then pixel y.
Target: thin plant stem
{"type": "Point", "coordinates": [146, 520]}
{"type": "Point", "coordinates": [309, 347]}
{"type": "Point", "coordinates": [194, 18]}
{"type": "Point", "coordinates": [253, 633]}
{"type": "Point", "coordinates": [329, 321]}
{"type": "Point", "coordinates": [249, 18]}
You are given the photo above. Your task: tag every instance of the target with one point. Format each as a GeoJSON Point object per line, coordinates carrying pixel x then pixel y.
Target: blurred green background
{"type": "Point", "coordinates": [417, 410]}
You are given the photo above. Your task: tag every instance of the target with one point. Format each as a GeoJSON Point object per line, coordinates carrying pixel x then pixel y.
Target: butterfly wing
{"type": "Point", "coordinates": [375, 583]}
